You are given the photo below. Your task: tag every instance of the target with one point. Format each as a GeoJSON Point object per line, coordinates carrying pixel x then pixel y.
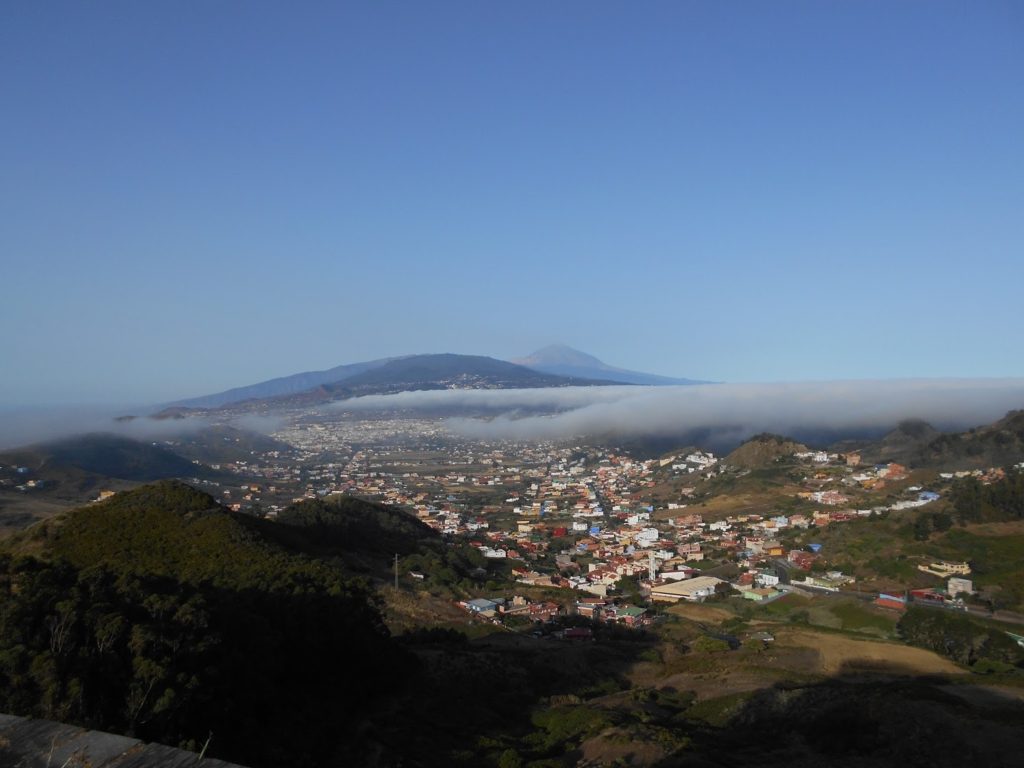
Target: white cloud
{"type": "Point", "coordinates": [739, 410]}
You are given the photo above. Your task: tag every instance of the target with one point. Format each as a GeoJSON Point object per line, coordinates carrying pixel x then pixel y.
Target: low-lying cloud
{"type": "Point", "coordinates": [29, 426]}
{"type": "Point", "coordinates": [725, 412]}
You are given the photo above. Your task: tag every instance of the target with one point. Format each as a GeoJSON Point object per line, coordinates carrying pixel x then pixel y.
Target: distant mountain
{"type": "Point", "coordinates": [453, 371]}
{"type": "Point", "coordinates": [561, 360]}
{"type": "Point", "coordinates": [285, 385]}
{"type": "Point", "coordinates": [401, 374]}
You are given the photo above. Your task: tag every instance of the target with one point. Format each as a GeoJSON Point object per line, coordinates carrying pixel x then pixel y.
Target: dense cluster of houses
{"type": "Point", "coordinates": [579, 518]}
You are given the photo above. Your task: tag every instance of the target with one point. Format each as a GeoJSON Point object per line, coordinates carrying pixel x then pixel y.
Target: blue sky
{"type": "Point", "coordinates": [198, 195]}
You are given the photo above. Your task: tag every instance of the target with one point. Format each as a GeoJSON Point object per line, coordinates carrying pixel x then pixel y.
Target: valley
{"type": "Point", "coordinates": [588, 603]}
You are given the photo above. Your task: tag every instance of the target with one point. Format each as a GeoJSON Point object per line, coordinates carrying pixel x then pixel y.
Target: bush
{"type": "Point", "coordinates": [708, 644]}
{"type": "Point", "coordinates": [960, 638]}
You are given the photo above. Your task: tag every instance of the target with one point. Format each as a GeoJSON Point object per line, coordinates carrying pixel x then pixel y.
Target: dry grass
{"type": "Point", "coordinates": [701, 612]}
{"type": "Point", "coordinates": [837, 653]}
{"type": "Point", "coordinates": [409, 610]}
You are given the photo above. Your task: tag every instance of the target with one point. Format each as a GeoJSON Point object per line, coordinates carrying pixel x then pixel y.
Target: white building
{"type": "Point", "coordinates": [694, 590]}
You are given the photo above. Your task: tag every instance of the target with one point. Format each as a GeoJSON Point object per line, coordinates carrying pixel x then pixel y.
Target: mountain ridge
{"type": "Point", "coordinates": [295, 383]}
{"type": "Point", "coordinates": [563, 360]}
{"type": "Point", "coordinates": [387, 376]}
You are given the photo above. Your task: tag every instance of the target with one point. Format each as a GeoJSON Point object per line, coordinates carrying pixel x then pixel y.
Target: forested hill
{"type": "Point", "coordinates": [160, 615]}
{"type": "Point", "coordinates": [363, 535]}
{"type": "Point", "coordinates": [995, 444]}
{"type": "Point", "coordinates": [101, 455]}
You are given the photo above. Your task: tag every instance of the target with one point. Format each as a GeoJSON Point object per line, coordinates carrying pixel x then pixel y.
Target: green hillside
{"type": "Point", "coordinates": [161, 615]}
{"type": "Point", "coordinates": [992, 445]}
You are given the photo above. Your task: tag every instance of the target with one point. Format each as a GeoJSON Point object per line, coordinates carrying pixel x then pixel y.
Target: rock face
{"type": "Point", "coordinates": [31, 743]}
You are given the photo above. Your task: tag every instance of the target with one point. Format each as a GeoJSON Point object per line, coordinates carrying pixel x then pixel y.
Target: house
{"type": "Point", "coordinates": [590, 607]}
{"type": "Point", "coordinates": [545, 611]}
{"type": "Point", "coordinates": [630, 615]}
{"type": "Point", "coordinates": [774, 549]}
{"type": "Point", "coordinates": [802, 559]}
{"type": "Point", "coordinates": [480, 605]}
{"type": "Point", "coordinates": [944, 568]}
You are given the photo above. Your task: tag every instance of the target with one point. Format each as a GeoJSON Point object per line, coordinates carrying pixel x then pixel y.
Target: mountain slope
{"type": "Point", "coordinates": [762, 450]}
{"type": "Point", "coordinates": [284, 385]}
{"type": "Point", "coordinates": [161, 614]}
{"type": "Point", "coordinates": [902, 444]}
{"type": "Point", "coordinates": [448, 371]}
{"type": "Point", "coordinates": [221, 443]}
{"type": "Point", "coordinates": [400, 374]}
{"type": "Point", "coordinates": [993, 445]}
{"type": "Point", "coordinates": [916, 443]}
{"type": "Point", "coordinates": [101, 456]}
{"type": "Point", "coordinates": [561, 360]}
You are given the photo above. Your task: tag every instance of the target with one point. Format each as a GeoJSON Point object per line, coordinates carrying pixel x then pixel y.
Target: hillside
{"type": "Point", "coordinates": [161, 615]}
{"type": "Point", "coordinates": [415, 372]}
{"type": "Point", "coordinates": [104, 456]}
{"type": "Point", "coordinates": [916, 443]}
{"type": "Point", "coordinates": [762, 450]}
{"type": "Point", "coordinates": [281, 386]}
{"type": "Point", "coordinates": [37, 481]}
{"type": "Point", "coordinates": [447, 371]}
{"type": "Point", "coordinates": [993, 445]}
{"type": "Point", "coordinates": [222, 443]}
{"type": "Point", "coordinates": [561, 360]}
{"type": "Point", "coordinates": [365, 536]}
{"type": "Point", "coordinates": [899, 444]}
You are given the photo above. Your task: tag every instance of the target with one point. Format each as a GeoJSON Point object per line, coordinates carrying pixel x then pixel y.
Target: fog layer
{"type": "Point", "coordinates": [725, 411]}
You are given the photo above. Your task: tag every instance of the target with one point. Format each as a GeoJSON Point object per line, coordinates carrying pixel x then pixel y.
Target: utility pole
{"type": "Point", "coordinates": [396, 572]}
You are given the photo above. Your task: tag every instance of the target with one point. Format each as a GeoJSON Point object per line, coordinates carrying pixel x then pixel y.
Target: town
{"type": "Point", "coordinates": [574, 529]}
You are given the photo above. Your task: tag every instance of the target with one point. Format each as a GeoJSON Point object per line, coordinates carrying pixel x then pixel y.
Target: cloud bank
{"type": "Point", "coordinates": [28, 426]}
{"type": "Point", "coordinates": [726, 412]}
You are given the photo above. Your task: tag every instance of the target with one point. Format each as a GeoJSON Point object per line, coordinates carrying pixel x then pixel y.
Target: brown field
{"type": "Point", "coordinates": [797, 654]}
{"type": "Point", "coordinates": [700, 612]}
{"type": "Point", "coordinates": [407, 610]}
{"type": "Point", "coordinates": [836, 654]}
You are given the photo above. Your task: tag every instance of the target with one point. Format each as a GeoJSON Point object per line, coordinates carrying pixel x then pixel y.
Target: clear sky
{"type": "Point", "coordinates": [199, 195]}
